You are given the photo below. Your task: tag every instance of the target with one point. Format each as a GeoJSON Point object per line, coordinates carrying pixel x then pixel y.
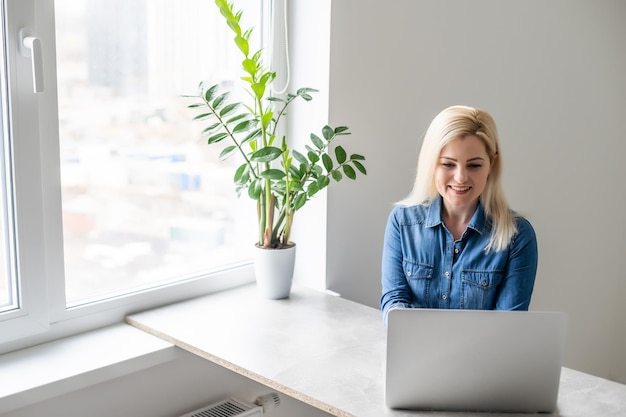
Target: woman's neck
{"type": "Point", "coordinates": [456, 219]}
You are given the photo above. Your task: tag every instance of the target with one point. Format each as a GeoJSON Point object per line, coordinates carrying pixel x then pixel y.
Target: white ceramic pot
{"type": "Point", "coordinates": [273, 270]}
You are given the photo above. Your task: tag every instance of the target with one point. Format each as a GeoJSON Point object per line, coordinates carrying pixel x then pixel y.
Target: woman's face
{"type": "Point", "coordinates": [461, 173]}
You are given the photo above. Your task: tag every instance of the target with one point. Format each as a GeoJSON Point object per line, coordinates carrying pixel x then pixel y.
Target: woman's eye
{"type": "Point", "coordinates": [474, 166]}
{"type": "Point", "coordinates": [448, 164]}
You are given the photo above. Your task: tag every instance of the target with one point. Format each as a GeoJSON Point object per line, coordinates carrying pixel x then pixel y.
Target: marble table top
{"type": "Point", "coordinates": [325, 351]}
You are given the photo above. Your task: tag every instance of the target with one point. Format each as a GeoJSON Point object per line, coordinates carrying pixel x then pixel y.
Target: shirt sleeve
{"type": "Point", "coordinates": [395, 288]}
{"type": "Point", "coordinates": [517, 287]}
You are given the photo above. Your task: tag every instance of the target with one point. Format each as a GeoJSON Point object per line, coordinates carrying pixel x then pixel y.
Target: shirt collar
{"type": "Point", "coordinates": [434, 218]}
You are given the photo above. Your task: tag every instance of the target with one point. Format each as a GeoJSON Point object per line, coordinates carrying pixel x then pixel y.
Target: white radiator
{"type": "Point", "coordinates": [235, 408]}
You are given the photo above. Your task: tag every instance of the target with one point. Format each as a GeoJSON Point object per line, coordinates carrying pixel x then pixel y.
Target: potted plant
{"type": "Point", "coordinates": [280, 179]}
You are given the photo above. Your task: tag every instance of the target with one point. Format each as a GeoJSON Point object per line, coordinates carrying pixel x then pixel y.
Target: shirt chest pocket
{"type": "Point", "coordinates": [414, 271]}
{"type": "Point", "coordinates": [419, 278]}
{"type": "Point", "coordinates": [479, 289]}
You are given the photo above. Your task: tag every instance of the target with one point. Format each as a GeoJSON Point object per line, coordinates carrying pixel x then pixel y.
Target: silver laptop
{"type": "Point", "coordinates": [471, 360]}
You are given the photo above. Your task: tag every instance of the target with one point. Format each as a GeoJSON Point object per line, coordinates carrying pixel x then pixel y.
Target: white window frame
{"type": "Point", "coordinates": [43, 315]}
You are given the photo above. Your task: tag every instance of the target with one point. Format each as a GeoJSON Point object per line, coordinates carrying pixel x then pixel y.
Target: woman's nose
{"type": "Point", "coordinates": [460, 175]}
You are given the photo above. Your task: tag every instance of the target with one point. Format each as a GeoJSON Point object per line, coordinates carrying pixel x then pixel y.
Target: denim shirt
{"type": "Point", "coordinates": [424, 267]}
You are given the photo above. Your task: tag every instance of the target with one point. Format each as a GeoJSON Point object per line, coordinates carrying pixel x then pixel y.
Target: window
{"type": "Point", "coordinates": [110, 194]}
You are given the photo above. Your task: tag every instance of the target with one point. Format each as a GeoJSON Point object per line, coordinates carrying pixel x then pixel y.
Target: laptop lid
{"type": "Point", "coordinates": [474, 360]}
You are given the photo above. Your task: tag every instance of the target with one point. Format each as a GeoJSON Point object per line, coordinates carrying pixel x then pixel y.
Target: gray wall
{"type": "Point", "coordinates": [553, 75]}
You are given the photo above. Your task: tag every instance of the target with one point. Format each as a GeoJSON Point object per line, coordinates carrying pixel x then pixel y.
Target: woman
{"type": "Point", "coordinates": [454, 242]}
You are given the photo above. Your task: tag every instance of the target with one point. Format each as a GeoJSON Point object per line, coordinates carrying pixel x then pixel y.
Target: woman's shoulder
{"type": "Point", "coordinates": [524, 227]}
{"type": "Point", "coordinates": [410, 214]}
{"type": "Point", "coordinates": [522, 222]}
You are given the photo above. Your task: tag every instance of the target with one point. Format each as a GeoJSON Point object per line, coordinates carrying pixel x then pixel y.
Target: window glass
{"type": "Point", "coordinates": [145, 200]}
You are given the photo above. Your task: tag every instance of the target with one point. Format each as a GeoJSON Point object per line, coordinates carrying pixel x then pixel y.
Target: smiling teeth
{"type": "Point", "coordinates": [459, 188]}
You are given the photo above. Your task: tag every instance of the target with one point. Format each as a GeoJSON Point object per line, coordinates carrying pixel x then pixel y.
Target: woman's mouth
{"type": "Point", "coordinates": [459, 189]}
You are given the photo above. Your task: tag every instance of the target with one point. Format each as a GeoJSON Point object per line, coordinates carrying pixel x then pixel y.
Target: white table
{"type": "Point", "coordinates": [323, 350]}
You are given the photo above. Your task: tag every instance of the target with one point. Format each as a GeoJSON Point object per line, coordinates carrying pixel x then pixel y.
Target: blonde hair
{"type": "Point", "coordinates": [453, 123]}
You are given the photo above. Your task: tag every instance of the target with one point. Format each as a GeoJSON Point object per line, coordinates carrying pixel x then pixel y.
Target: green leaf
{"type": "Point", "coordinates": [196, 105]}
{"type": "Point", "coordinates": [234, 25]}
{"type": "Point", "coordinates": [317, 141]}
{"type": "Point", "coordinates": [357, 157]}
{"type": "Point", "coordinates": [328, 133]}
{"type": "Point", "coordinates": [227, 151]}
{"type": "Point", "coordinates": [235, 118]}
{"type": "Point", "coordinates": [258, 89]}
{"type": "Point", "coordinates": [239, 173]}
{"type": "Point", "coordinates": [360, 167]}
{"type": "Point", "coordinates": [249, 66]}
{"type": "Point", "coordinates": [316, 170]}
{"type": "Point", "coordinates": [313, 188]}
{"type": "Point", "coordinates": [244, 126]}
{"type": "Point", "coordinates": [255, 190]}
{"type": "Point", "coordinates": [341, 130]}
{"type": "Point", "coordinates": [210, 93]}
{"type": "Point", "coordinates": [301, 158]}
{"type": "Point", "coordinates": [295, 173]}
{"type": "Point", "coordinates": [245, 178]}
{"type": "Point", "coordinates": [266, 119]}
{"type": "Point", "coordinates": [313, 157]}
{"type": "Point", "coordinates": [299, 201]}
{"type": "Point", "coordinates": [242, 44]}
{"type": "Point", "coordinates": [340, 154]}
{"type": "Point", "coordinates": [328, 162]}
{"type": "Point", "coordinates": [272, 174]}
{"type": "Point", "coordinates": [267, 78]}
{"type": "Point", "coordinates": [267, 154]}
{"type": "Point", "coordinates": [217, 138]}
{"type": "Point", "coordinates": [248, 32]}
{"type": "Point", "coordinates": [322, 182]}
{"type": "Point", "coordinates": [228, 109]}
{"type": "Point", "coordinates": [336, 174]}
{"type": "Point", "coordinates": [349, 171]}
{"type": "Point", "coordinates": [304, 93]}
{"type": "Point", "coordinates": [257, 55]}
{"type": "Point", "coordinates": [220, 99]}
{"type": "Point", "coordinates": [252, 135]}
{"type": "Point", "coordinates": [211, 128]}
{"type": "Point", "coordinates": [203, 116]}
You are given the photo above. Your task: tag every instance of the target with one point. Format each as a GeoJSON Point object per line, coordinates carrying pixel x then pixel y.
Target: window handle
{"type": "Point", "coordinates": [30, 47]}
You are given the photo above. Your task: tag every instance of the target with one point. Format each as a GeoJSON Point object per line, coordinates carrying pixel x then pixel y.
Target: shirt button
{"type": "Point", "coordinates": [444, 297]}
{"type": "Point", "coordinates": [456, 250]}
{"type": "Point", "coordinates": [484, 283]}
{"type": "Point", "coordinates": [408, 273]}
{"type": "Point", "coordinates": [447, 273]}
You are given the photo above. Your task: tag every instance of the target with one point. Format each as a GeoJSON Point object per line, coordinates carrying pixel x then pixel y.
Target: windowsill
{"type": "Point", "coordinates": [325, 351]}
{"type": "Point", "coordinates": [45, 371]}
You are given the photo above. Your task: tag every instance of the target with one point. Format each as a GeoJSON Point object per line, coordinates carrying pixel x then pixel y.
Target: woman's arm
{"type": "Point", "coordinates": [517, 287]}
{"type": "Point", "coordinates": [395, 289]}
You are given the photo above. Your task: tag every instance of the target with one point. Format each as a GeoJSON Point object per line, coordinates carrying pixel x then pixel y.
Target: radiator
{"type": "Point", "coordinates": [235, 408]}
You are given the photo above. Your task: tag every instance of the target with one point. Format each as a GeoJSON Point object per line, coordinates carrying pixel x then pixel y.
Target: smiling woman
{"type": "Point", "coordinates": [454, 242]}
{"type": "Point", "coordinates": [460, 178]}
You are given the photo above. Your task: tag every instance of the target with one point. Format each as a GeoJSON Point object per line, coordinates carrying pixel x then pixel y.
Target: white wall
{"type": "Point", "coordinates": [309, 43]}
{"type": "Point", "coordinates": [553, 75]}
{"type": "Point", "coordinates": [167, 390]}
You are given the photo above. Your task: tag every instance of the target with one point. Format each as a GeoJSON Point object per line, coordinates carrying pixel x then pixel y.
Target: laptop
{"type": "Point", "coordinates": [474, 360]}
